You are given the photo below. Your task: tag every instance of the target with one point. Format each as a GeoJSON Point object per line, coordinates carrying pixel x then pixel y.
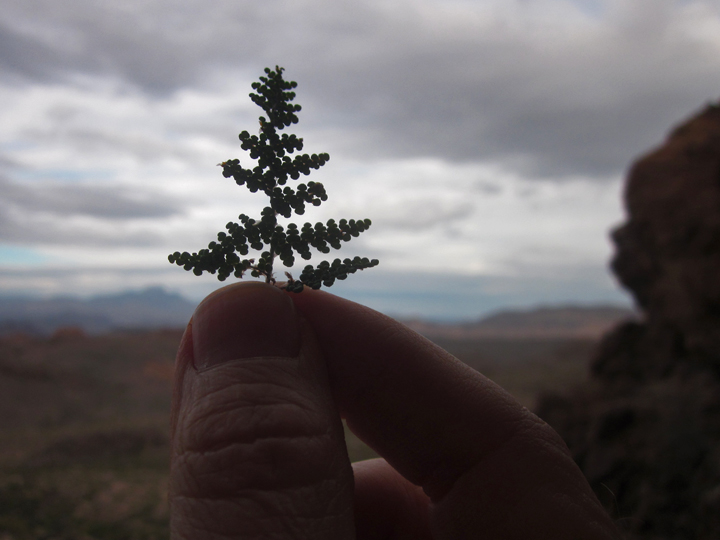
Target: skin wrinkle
{"type": "Point", "coordinates": [252, 438]}
{"type": "Point", "coordinates": [257, 360]}
{"type": "Point", "coordinates": [258, 452]}
{"type": "Point", "coordinates": [219, 399]}
{"type": "Point", "coordinates": [266, 390]}
{"type": "Point", "coordinates": [220, 448]}
{"type": "Point", "coordinates": [196, 463]}
{"type": "Point", "coordinates": [212, 420]}
{"type": "Point", "coordinates": [252, 497]}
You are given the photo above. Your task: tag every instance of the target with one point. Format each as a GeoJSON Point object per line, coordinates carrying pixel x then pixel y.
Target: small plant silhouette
{"type": "Point", "coordinates": [274, 168]}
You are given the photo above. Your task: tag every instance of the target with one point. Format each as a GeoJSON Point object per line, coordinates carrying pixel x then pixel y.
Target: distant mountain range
{"type": "Point", "coordinates": [545, 322]}
{"type": "Point", "coordinates": [156, 307]}
{"type": "Point", "coordinates": [146, 309]}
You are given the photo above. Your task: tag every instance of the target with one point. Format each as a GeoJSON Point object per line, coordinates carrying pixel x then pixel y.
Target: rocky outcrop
{"type": "Point", "coordinates": [646, 427]}
{"type": "Point", "coordinates": [668, 253]}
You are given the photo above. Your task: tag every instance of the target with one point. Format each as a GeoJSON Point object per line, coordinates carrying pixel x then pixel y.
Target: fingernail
{"type": "Point", "coordinates": [244, 320]}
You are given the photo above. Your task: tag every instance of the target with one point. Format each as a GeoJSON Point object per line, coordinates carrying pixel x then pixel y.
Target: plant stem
{"type": "Point", "coordinates": [269, 276]}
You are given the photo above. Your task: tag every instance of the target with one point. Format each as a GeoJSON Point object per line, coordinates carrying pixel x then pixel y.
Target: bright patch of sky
{"type": "Point", "coordinates": [13, 256]}
{"type": "Point", "coordinates": [594, 8]}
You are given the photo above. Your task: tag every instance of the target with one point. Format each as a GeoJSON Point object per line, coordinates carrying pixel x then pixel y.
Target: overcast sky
{"type": "Point", "coordinates": [486, 139]}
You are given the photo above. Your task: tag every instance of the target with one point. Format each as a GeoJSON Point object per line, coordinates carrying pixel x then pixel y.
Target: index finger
{"type": "Point", "coordinates": [447, 428]}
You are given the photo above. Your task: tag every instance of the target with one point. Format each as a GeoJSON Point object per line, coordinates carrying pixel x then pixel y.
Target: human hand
{"type": "Point", "coordinates": [262, 380]}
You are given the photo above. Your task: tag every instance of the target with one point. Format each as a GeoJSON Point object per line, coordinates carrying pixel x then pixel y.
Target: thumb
{"type": "Point", "coordinates": [257, 443]}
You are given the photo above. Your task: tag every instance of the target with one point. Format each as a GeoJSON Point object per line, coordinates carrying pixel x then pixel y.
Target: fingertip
{"type": "Point", "coordinates": [387, 505]}
{"type": "Point", "coordinates": [244, 320]}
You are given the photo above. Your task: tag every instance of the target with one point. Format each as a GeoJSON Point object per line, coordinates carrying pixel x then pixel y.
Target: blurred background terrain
{"type": "Point", "coordinates": [84, 414]}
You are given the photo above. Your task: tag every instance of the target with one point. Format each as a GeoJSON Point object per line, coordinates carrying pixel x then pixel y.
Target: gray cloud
{"type": "Point", "coordinates": [36, 230]}
{"type": "Point", "coordinates": [104, 202]}
{"type": "Point", "coordinates": [157, 45]}
{"type": "Point", "coordinates": [420, 213]}
{"type": "Point", "coordinates": [487, 188]}
{"type": "Point", "coordinates": [546, 100]}
{"type": "Point", "coordinates": [47, 213]}
{"type": "Point", "coordinates": [585, 105]}
{"type": "Point", "coordinates": [23, 55]}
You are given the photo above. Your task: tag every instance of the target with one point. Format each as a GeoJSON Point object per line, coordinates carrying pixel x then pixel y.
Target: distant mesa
{"type": "Point", "coordinates": [566, 322]}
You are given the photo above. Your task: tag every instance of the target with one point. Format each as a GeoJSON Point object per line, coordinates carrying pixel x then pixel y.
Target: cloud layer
{"type": "Point", "coordinates": [551, 87]}
{"type": "Point", "coordinates": [484, 138]}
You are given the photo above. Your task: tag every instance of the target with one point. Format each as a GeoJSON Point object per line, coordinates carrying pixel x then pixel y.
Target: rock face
{"type": "Point", "coordinates": [668, 254]}
{"type": "Point", "coordinates": [646, 427]}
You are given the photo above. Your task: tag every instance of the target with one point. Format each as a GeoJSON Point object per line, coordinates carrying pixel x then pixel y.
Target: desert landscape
{"type": "Point", "coordinates": [84, 421]}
